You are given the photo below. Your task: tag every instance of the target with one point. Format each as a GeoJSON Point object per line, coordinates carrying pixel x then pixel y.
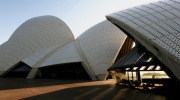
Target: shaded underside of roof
{"type": "Point", "coordinates": [128, 43]}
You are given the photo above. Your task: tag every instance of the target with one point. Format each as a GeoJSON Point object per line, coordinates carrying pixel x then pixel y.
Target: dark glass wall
{"type": "Point", "coordinates": [20, 70]}
{"type": "Point", "coordinates": [64, 71]}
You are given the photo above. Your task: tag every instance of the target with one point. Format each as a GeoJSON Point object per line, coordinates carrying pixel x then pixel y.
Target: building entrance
{"type": "Point", "coordinates": [64, 71]}
{"type": "Point", "coordinates": [21, 70]}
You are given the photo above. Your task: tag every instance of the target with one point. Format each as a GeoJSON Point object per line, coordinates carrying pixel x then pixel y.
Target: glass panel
{"type": "Point", "coordinates": [147, 57]}
{"type": "Point", "coordinates": [127, 68]}
{"type": "Point", "coordinates": [158, 68]}
{"type": "Point", "coordinates": [135, 57]}
{"type": "Point", "coordinates": [154, 74]}
{"type": "Point", "coordinates": [143, 67]}
{"type": "Point", "coordinates": [135, 68]}
{"type": "Point", "coordinates": [150, 67]}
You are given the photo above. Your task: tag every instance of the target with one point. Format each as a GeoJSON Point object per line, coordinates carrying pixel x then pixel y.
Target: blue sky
{"type": "Point", "coordinates": [79, 15]}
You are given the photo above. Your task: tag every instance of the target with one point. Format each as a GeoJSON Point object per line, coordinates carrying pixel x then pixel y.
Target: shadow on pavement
{"type": "Point", "coordinates": [47, 89]}
{"type": "Point", "coordinates": [98, 92]}
{"type": "Point", "coordinates": [17, 83]}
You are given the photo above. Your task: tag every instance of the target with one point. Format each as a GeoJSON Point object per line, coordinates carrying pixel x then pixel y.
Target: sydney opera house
{"type": "Point", "coordinates": [44, 47]}
{"type": "Point", "coordinates": [131, 44]}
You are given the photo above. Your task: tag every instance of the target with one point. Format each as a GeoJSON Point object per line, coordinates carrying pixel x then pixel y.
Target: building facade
{"type": "Point", "coordinates": [44, 47]}
{"type": "Point", "coordinates": [155, 29]}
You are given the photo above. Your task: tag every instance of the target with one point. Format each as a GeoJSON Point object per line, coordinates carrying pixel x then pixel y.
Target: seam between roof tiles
{"type": "Point", "coordinates": [166, 30]}
{"type": "Point", "coordinates": [161, 21]}
{"type": "Point", "coordinates": [22, 49]}
{"type": "Point", "coordinates": [12, 54]}
{"type": "Point", "coordinates": [174, 1]}
{"type": "Point", "coordinates": [148, 30]}
{"type": "Point", "coordinates": [167, 11]}
{"type": "Point", "coordinates": [157, 25]}
{"type": "Point", "coordinates": [166, 24]}
{"type": "Point", "coordinates": [170, 18]}
{"type": "Point", "coordinates": [136, 24]}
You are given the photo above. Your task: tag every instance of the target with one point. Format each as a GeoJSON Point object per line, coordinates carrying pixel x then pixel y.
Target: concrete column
{"type": "Point", "coordinates": [101, 77]}
{"type": "Point", "coordinates": [85, 63]}
{"type": "Point", "coordinates": [33, 73]}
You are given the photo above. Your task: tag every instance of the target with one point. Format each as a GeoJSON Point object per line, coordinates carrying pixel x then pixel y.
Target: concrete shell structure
{"type": "Point", "coordinates": [33, 36]}
{"type": "Point", "coordinates": [156, 26]}
{"type": "Point", "coordinates": [47, 41]}
{"type": "Point", "coordinates": [100, 45]}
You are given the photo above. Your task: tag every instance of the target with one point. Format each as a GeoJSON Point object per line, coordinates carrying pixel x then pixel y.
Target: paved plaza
{"type": "Point", "coordinates": [48, 89]}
